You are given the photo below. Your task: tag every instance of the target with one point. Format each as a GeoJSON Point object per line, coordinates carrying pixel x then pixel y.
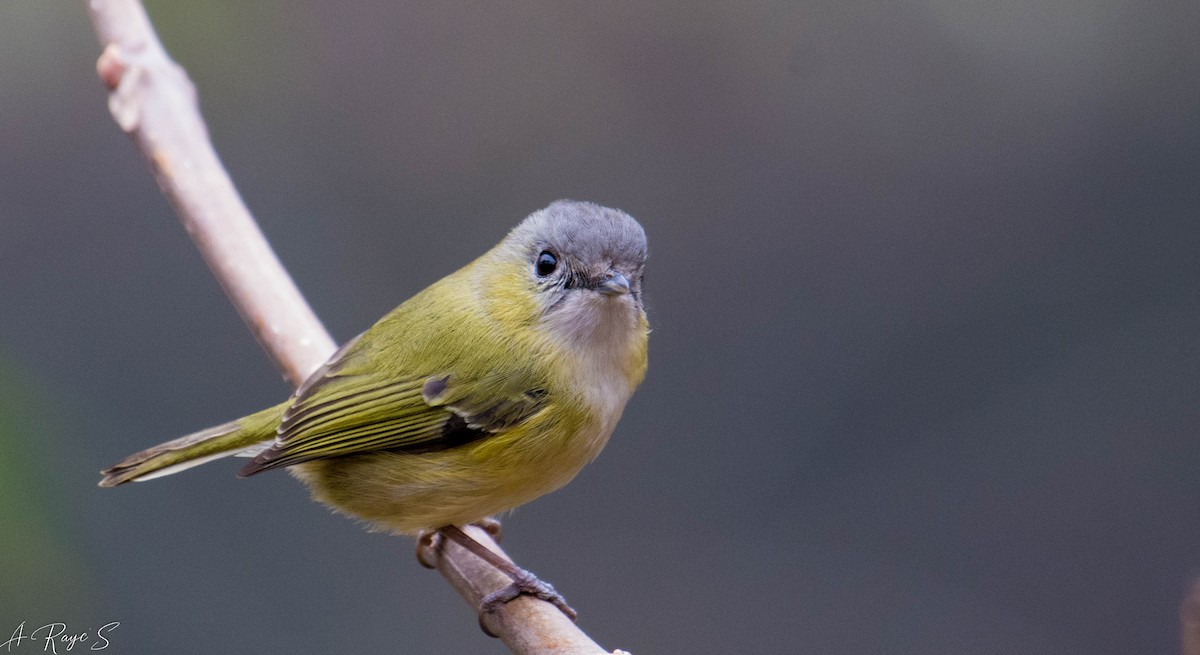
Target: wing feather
{"type": "Point", "coordinates": [348, 408]}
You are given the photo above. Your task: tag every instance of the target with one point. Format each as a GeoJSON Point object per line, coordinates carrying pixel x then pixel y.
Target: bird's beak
{"type": "Point", "coordinates": [615, 285]}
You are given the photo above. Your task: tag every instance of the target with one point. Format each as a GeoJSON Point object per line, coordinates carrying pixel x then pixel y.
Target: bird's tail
{"type": "Point", "coordinates": [246, 436]}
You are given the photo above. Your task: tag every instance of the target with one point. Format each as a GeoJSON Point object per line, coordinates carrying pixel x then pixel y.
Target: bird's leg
{"type": "Point", "coordinates": [429, 542]}
{"type": "Point", "coordinates": [523, 582]}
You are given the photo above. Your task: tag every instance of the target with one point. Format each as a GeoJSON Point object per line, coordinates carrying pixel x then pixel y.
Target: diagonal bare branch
{"type": "Point", "coordinates": [153, 100]}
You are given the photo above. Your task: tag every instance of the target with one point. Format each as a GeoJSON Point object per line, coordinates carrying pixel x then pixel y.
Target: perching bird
{"type": "Point", "coordinates": [491, 387]}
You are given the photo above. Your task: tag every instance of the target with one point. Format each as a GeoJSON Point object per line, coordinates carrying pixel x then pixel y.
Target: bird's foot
{"type": "Point", "coordinates": [429, 548]}
{"type": "Point", "coordinates": [491, 525]}
{"type": "Point", "coordinates": [524, 582]}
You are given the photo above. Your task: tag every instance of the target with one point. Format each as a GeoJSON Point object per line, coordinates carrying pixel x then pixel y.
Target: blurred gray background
{"type": "Point", "coordinates": [923, 283]}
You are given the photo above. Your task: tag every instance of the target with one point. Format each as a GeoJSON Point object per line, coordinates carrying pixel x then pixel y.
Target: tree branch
{"type": "Point", "coordinates": [152, 99]}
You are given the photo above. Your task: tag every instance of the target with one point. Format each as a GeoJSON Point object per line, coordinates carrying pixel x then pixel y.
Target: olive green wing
{"type": "Point", "coordinates": [350, 407]}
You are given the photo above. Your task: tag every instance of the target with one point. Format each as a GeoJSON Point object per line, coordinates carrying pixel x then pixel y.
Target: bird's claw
{"type": "Point", "coordinates": [491, 525]}
{"type": "Point", "coordinates": [429, 548]}
{"type": "Point", "coordinates": [523, 582]}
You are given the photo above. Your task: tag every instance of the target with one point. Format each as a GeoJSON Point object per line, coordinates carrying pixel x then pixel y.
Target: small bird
{"type": "Point", "coordinates": [491, 387]}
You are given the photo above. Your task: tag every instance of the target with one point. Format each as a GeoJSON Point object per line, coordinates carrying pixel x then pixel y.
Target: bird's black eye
{"type": "Point", "coordinates": [546, 263]}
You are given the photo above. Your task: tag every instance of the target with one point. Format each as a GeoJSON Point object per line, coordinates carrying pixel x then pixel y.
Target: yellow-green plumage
{"type": "Point", "coordinates": [491, 387]}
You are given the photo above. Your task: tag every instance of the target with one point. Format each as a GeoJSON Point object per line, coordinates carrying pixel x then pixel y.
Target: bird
{"type": "Point", "coordinates": [489, 388]}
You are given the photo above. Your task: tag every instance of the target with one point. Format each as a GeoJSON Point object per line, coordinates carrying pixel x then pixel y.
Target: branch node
{"type": "Point", "coordinates": [124, 102]}
{"type": "Point", "coordinates": [111, 66]}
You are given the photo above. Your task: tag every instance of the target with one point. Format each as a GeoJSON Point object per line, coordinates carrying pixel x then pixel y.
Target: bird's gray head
{"type": "Point", "coordinates": [585, 261]}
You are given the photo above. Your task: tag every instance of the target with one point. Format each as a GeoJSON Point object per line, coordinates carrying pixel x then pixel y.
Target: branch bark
{"type": "Point", "coordinates": [152, 99]}
{"type": "Point", "coordinates": [1189, 620]}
